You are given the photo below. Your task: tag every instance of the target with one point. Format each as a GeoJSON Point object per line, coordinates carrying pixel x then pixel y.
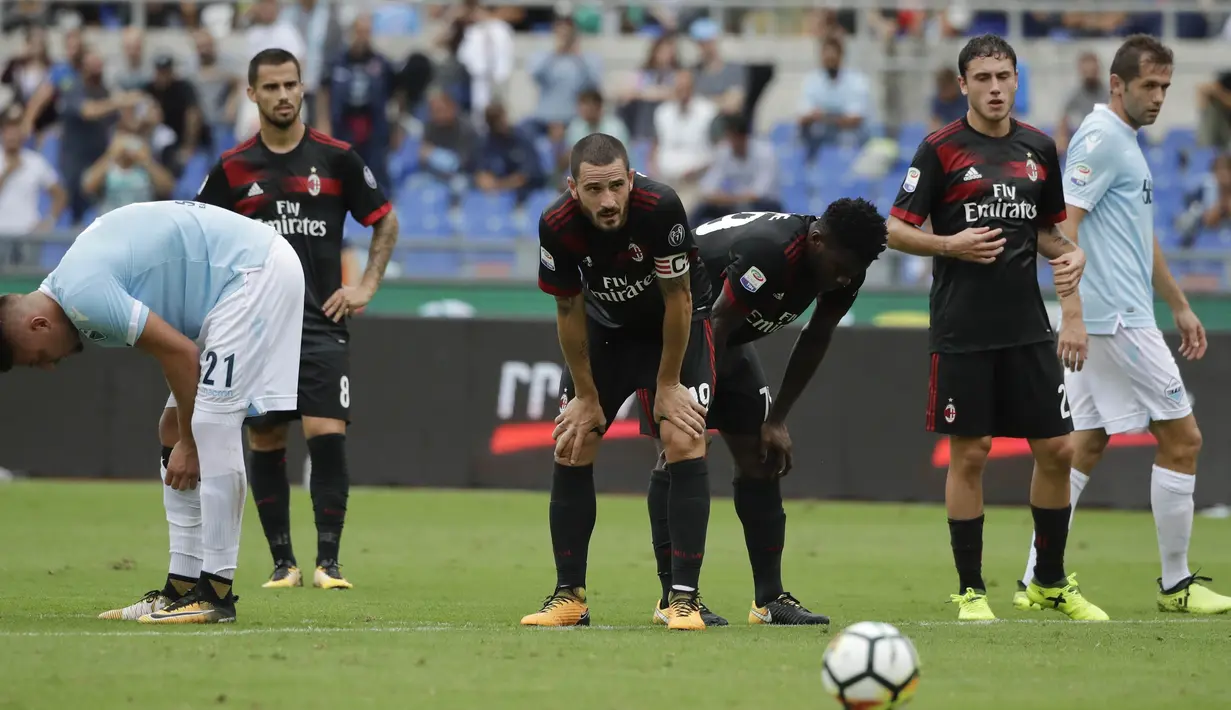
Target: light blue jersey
{"type": "Point", "coordinates": [1107, 176]}
{"type": "Point", "coordinates": [177, 259]}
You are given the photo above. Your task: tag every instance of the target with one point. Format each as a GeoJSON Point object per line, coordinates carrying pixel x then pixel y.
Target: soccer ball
{"type": "Point", "coordinates": [870, 666]}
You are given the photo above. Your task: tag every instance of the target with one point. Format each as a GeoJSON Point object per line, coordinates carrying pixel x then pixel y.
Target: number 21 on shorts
{"type": "Point", "coordinates": [1065, 412]}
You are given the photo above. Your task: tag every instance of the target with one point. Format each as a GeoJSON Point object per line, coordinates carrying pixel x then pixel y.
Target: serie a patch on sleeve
{"type": "Point", "coordinates": [752, 279]}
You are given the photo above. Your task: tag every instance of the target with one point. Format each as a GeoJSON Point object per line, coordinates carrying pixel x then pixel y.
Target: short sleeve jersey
{"type": "Point", "coordinates": [176, 259]}
{"type": "Point", "coordinates": [305, 195]}
{"type": "Point", "coordinates": [961, 178]}
{"type": "Point", "coordinates": [618, 269]}
{"type": "Point", "coordinates": [760, 258]}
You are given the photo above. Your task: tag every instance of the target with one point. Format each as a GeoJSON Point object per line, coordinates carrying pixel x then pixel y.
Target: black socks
{"type": "Point", "coordinates": [330, 489]}
{"type": "Point", "coordinates": [572, 514]}
{"type": "Point", "coordinates": [966, 539]}
{"type": "Point", "coordinates": [758, 503]}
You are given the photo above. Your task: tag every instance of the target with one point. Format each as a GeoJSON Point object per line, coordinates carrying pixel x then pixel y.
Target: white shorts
{"type": "Point", "coordinates": [250, 341]}
{"type": "Point", "coordinates": [1129, 379]}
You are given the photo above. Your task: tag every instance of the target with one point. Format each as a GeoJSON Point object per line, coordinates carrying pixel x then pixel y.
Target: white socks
{"type": "Point", "coordinates": [1171, 498]}
{"type": "Point", "coordinates": [183, 528]}
{"type": "Point", "coordinates": [223, 489]}
{"type": "Point", "coordinates": [1077, 483]}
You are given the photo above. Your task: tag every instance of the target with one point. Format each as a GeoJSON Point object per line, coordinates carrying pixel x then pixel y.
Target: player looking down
{"type": "Point", "coordinates": [303, 183]}
{"type": "Point", "coordinates": [773, 267]}
{"type": "Point", "coordinates": [217, 299]}
{"type": "Point", "coordinates": [993, 190]}
{"type": "Point", "coordinates": [632, 300]}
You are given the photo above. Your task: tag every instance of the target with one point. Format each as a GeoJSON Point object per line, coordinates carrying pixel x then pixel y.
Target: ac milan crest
{"type": "Point", "coordinates": [950, 412]}
{"type": "Point", "coordinates": [636, 252]}
{"type": "Point", "coordinates": [1032, 170]}
{"type": "Point", "coordinates": [314, 184]}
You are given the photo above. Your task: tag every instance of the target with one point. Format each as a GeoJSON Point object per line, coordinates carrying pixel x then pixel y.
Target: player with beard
{"type": "Point", "coordinates": [632, 300]}
{"type": "Point", "coordinates": [993, 191]}
{"type": "Point", "coordinates": [303, 183]}
{"type": "Point", "coordinates": [773, 267]}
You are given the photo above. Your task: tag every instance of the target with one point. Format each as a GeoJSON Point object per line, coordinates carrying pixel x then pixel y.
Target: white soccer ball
{"type": "Point", "coordinates": [870, 666]}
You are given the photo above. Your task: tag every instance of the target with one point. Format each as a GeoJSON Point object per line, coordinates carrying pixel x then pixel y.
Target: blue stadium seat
{"type": "Point", "coordinates": [796, 198]}
{"type": "Point", "coordinates": [532, 210]}
{"type": "Point", "coordinates": [430, 263]}
{"type": "Point", "coordinates": [910, 135]}
{"type": "Point", "coordinates": [194, 174]}
{"type": "Point", "coordinates": [50, 254]}
{"type": "Point", "coordinates": [1178, 139]}
{"type": "Point", "coordinates": [639, 155]}
{"type": "Point", "coordinates": [423, 210]}
{"type": "Point", "coordinates": [395, 20]}
{"type": "Point", "coordinates": [784, 133]}
{"type": "Point", "coordinates": [51, 148]}
{"type": "Point", "coordinates": [792, 168]}
{"type": "Point", "coordinates": [224, 139]}
{"type": "Point", "coordinates": [489, 215]}
{"type": "Point", "coordinates": [405, 160]}
{"type": "Point", "coordinates": [546, 153]}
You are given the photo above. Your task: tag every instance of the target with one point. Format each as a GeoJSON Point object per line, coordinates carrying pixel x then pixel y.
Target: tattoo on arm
{"type": "Point", "coordinates": [384, 237]}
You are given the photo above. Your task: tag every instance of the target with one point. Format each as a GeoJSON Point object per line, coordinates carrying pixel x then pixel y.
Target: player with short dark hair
{"type": "Point", "coordinates": [632, 300]}
{"type": "Point", "coordinates": [773, 267]}
{"type": "Point", "coordinates": [303, 183]}
{"type": "Point", "coordinates": [992, 188]}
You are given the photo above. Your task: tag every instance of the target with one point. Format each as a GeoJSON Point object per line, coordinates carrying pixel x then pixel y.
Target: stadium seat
{"type": "Point", "coordinates": [796, 198]}
{"type": "Point", "coordinates": [784, 133]}
{"type": "Point", "coordinates": [405, 160]}
{"type": "Point", "coordinates": [639, 155]}
{"type": "Point", "coordinates": [489, 215]}
{"type": "Point", "coordinates": [423, 210]}
{"type": "Point", "coordinates": [51, 148]}
{"type": "Point", "coordinates": [532, 210]}
{"type": "Point", "coordinates": [910, 135]}
{"type": "Point", "coordinates": [50, 254]}
{"type": "Point", "coordinates": [194, 174]}
{"type": "Point", "coordinates": [491, 264]}
{"type": "Point", "coordinates": [430, 263]}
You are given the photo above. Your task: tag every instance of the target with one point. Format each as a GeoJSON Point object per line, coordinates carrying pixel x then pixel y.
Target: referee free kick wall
{"type": "Point", "coordinates": [469, 404]}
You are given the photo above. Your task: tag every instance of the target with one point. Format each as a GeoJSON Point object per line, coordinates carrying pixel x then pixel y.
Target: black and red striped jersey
{"type": "Point", "coordinates": [760, 258]}
{"type": "Point", "coordinates": [305, 194]}
{"type": "Point", "coordinates": [618, 269]}
{"type": "Point", "coordinates": [961, 178]}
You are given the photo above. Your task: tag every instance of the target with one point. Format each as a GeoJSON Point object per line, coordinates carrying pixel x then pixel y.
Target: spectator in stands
{"type": "Point", "coordinates": [591, 119]}
{"type": "Point", "coordinates": [653, 84]}
{"type": "Point", "coordinates": [131, 70]}
{"type": "Point", "coordinates": [27, 70]}
{"type": "Point", "coordinates": [127, 172]}
{"type": "Point", "coordinates": [682, 147]}
{"type": "Point", "coordinates": [216, 87]}
{"type": "Point", "coordinates": [743, 177]}
{"type": "Point", "coordinates": [266, 30]}
{"type": "Point", "coordinates": [177, 99]}
{"type": "Point", "coordinates": [1081, 102]}
{"type": "Point", "coordinates": [317, 24]}
{"type": "Point", "coordinates": [449, 143]}
{"type": "Point", "coordinates": [836, 102]}
{"type": "Point", "coordinates": [561, 75]}
{"type": "Point", "coordinates": [948, 105]}
{"type": "Point", "coordinates": [1214, 99]}
{"type": "Point", "coordinates": [64, 79]}
{"type": "Point", "coordinates": [507, 159]}
{"type": "Point", "coordinates": [359, 92]}
{"type": "Point", "coordinates": [26, 14]}
{"type": "Point", "coordinates": [24, 176]}
{"type": "Point", "coordinates": [720, 81]}
{"type": "Point", "coordinates": [486, 51]}
{"type": "Point", "coordinates": [1216, 200]}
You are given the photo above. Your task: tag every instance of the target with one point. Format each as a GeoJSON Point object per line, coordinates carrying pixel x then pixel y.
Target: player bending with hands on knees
{"type": "Point", "coordinates": [303, 183]}
{"type": "Point", "coordinates": [1130, 379]}
{"type": "Point", "coordinates": [632, 300]}
{"type": "Point", "coordinates": [773, 267]}
{"type": "Point", "coordinates": [993, 190]}
{"type": "Point", "coordinates": [217, 299]}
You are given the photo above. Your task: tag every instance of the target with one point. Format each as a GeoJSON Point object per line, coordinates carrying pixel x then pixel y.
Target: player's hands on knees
{"type": "Point", "coordinates": [1192, 334]}
{"type": "Point", "coordinates": [776, 448]}
{"type": "Point", "coordinates": [345, 301]}
{"type": "Point", "coordinates": [675, 404]}
{"type": "Point", "coordinates": [1071, 347]}
{"type": "Point", "coordinates": [978, 244]}
{"type": "Point", "coordinates": [580, 416]}
{"type": "Point", "coordinates": [1067, 270]}
{"type": "Point", "coordinates": [183, 467]}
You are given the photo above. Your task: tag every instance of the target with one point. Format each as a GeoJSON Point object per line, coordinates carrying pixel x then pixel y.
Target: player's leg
{"type": "Point", "coordinates": [1032, 404]}
{"type": "Point", "coordinates": [961, 405]}
{"type": "Point", "coordinates": [271, 492]}
{"type": "Point", "coordinates": [573, 508]}
{"type": "Point", "coordinates": [183, 511]}
{"type": "Point", "coordinates": [324, 403]}
{"type": "Point", "coordinates": [689, 495]}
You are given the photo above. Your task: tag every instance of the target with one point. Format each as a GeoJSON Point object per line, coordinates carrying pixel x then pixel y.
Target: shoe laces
{"type": "Point", "coordinates": [152, 595]}
{"type": "Point", "coordinates": [556, 599]}
{"type": "Point", "coordinates": [786, 599]}
{"type": "Point", "coordinates": [970, 595]}
{"type": "Point", "coordinates": [331, 567]}
{"type": "Point", "coordinates": [685, 604]}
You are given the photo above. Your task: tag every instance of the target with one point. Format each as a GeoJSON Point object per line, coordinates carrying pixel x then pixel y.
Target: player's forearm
{"type": "Point", "coordinates": [909, 239]}
{"type": "Point", "coordinates": [182, 371]}
{"type": "Point", "coordinates": [1053, 243]}
{"type": "Point", "coordinates": [806, 356]}
{"type": "Point", "coordinates": [384, 239]}
{"type": "Point", "coordinates": [1164, 283]}
{"type": "Point", "coordinates": [575, 343]}
{"type": "Point", "coordinates": [677, 321]}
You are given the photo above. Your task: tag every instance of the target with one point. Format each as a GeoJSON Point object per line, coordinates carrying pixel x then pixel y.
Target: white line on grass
{"type": "Point", "coordinates": [437, 628]}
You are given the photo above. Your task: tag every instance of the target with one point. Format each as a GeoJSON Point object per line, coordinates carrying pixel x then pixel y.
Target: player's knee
{"type": "Point", "coordinates": [968, 455]}
{"type": "Point", "coordinates": [169, 427]}
{"type": "Point", "coordinates": [1179, 442]}
{"type": "Point", "coordinates": [589, 452]}
{"type": "Point", "coordinates": [1054, 456]}
{"type": "Point", "coordinates": [267, 437]}
{"type": "Point", "coordinates": [679, 445]}
{"type": "Point", "coordinates": [320, 426]}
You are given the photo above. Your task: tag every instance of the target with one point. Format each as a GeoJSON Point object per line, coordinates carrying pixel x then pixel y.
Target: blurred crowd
{"type": "Point", "coordinates": [82, 135]}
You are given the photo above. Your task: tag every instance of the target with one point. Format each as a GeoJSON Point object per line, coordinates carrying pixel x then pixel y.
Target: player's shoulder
{"type": "Point", "coordinates": [325, 142]}
{"type": "Point", "coordinates": [559, 214]}
{"type": "Point", "coordinates": [946, 133]}
{"type": "Point", "coordinates": [239, 150]}
{"type": "Point", "coordinates": [1035, 137]}
{"type": "Point", "coordinates": [650, 195]}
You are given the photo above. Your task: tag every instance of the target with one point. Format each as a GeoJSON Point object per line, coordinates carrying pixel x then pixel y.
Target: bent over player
{"type": "Point", "coordinates": [1130, 379]}
{"type": "Point", "coordinates": [302, 183]}
{"type": "Point", "coordinates": [773, 267]}
{"type": "Point", "coordinates": [216, 299]}
{"type": "Point", "coordinates": [640, 326]}
{"type": "Point", "coordinates": [992, 188]}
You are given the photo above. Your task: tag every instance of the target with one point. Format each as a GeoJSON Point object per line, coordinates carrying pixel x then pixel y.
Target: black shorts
{"type": "Point", "coordinates": [623, 365]}
{"type": "Point", "coordinates": [1015, 392]}
{"type": "Point", "coordinates": [324, 383]}
{"type": "Point", "coordinates": [741, 396]}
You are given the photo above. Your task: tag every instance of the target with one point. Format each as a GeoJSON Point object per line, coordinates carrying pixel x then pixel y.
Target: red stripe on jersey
{"type": "Point", "coordinates": [908, 217]}
{"type": "Point", "coordinates": [327, 139]}
{"type": "Point", "coordinates": [574, 242]}
{"type": "Point", "coordinates": [1058, 217]}
{"type": "Point", "coordinates": [643, 395]}
{"type": "Point", "coordinates": [931, 415]}
{"type": "Point", "coordinates": [962, 191]}
{"type": "Point", "coordinates": [643, 204]}
{"type": "Point", "coordinates": [561, 214]}
{"type": "Point", "coordinates": [795, 249]}
{"type": "Point", "coordinates": [709, 345]}
{"type": "Point", "coordinates": [954, 157]}
{"type": "Point", "coordinates": [376, 215]}
{"type": "Point", "coordinates": [240, 173]}
{"type": "Point", "coordinates": [646, 194]}
{"type": "Point", "coordinates": [328, 186]}
{"type": "Point", "coordinates": [944, 132]}
{"type": "Point", "coordinates": [561, 291]}
{"type": "Point", "coordinates": [1021, 169]}
{"type": "Point", "coordinates": [249, 205]}
{"type": "Point", "coordinates": [730, 294]}
{"type": "Point", "coordinates": [246, 145]}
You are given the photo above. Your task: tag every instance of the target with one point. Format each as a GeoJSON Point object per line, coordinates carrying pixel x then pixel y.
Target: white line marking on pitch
{"type": "Point", "coordinates": [434, 628]}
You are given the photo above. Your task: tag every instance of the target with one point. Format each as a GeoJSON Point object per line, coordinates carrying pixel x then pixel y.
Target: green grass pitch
{"type": "Point", "coordinates": [443, 577]}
